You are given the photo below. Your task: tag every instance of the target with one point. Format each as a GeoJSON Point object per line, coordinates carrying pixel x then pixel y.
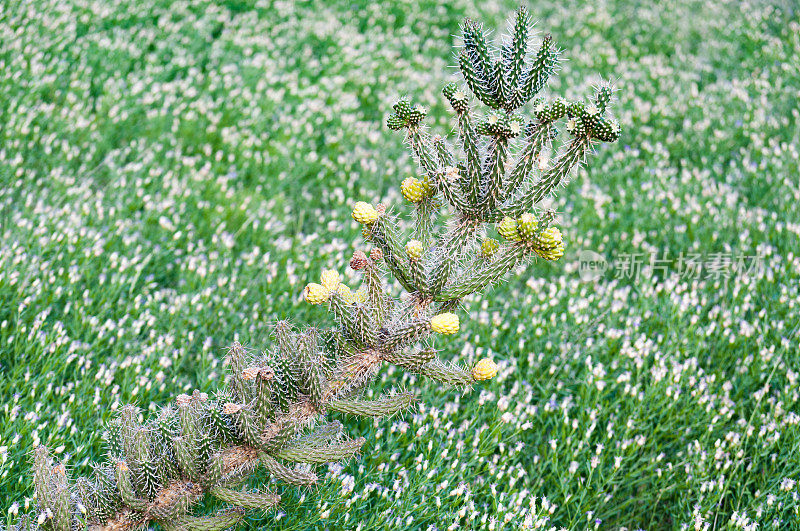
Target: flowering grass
{"type": "Point", "coordinates": [173, 174]}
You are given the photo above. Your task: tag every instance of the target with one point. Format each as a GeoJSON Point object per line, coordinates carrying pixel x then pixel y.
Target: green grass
{"type": "Point", "coordinates": [173, 173]}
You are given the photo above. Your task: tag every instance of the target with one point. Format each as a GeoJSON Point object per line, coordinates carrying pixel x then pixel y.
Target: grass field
{"type": "Point", "coordinates": [173, 173]}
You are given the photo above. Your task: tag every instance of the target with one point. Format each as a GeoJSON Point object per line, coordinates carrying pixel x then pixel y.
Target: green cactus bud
{"type": "Point", "coordinates": [402, 109]}
{"type": "Point", "coordinates": [549, 244]}
{"type": "Point", "coordinates": [458, 98]}
{"type": "Point", "coordinates": [607, 130]}
{"type": "Point", "coordinates": [526, 226]}
{"type": "Point", "coordinates": [416, 114]}
{"type": "Point", "coordinates": [544, 112]}
{"type": "Point", "coordinates": [558, 108]}
{"type": "Point", "coordinates": [395, 123]}
{"type": "Point", "coordinates": [489, 246]}
{"type": "Point", "coordinates": [508, 229]}
{"type": "Point", "coordinates": [577, 127]}
{"type": "Point", "coordinates": [575, 108]}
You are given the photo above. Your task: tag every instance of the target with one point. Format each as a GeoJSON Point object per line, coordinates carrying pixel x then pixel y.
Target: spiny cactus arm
{"type": "Point", "coordinates": [477, 64]}
{"type": "Point", "coordinates": [538, 137]}
{"type": "Point", "coordinates": [344, 314]}
{"type": "Point", "coordinates": [514, 56]}
{"type": "Point", "coordinates": [281, 433]}
{"type": "Point", "coordinates": [248, 429]}
{"type": "Point", "coordinates": [551, 178]}
{"type": "Point", "coordinates": [173, 501]}
{"type": "Point", "coordinates": [414, 250]}
{"type": "Point", "coordinates": [425, 208]}
{"type": "Point", "coordinates": [425, 213]}
{"type": "Point", "coordinates": [446, 373]}
{"type": "Point", "coordinates": [384, 234]}
{"type": "Point", "coordinates": [326, 453]}
{"type": "Point", "coordinates": [232, 465]}
{"type": "Point", "coordinates": [293, 476]}
{"type": "Point", "coordinates": [494, 170]}
{"type": "Point", "coordinates": [378, 300]}
{"type": "Point", "coordinates": [443, 259]}
{"type": "Point", "coordinates": [365, 325]}
{"type": "Point", "coordinates": [220, 521]}
{"type": "Point", "coordinates": [323, 434]}
{"type": "Point", "coordinates": [444, 155]}
{"type": "Point", "coordinates": [51, 485]}
{"type": "Point", "coordinates": [481, 276]}
{"type": "Point", "coordinates": [470, 183]}
{"type": "Point", "coordinates": [385, 406]}
{"type": "Point", "coordinates": [448, 177]}
{"type": "Point", "coordinates": [125, 487]}
{"type": "Point", "coordinates": [403, 334]}
{"type": "Point", "coordinates": [536, 76]}
{"type": "Point", "coordinates": [451, 374]}
{"type": "Point", "coordinates": [409, 360]}
{"type": "Point", "coordinates": [421, 146]}
{"type": "Point", "coordinates": [247, 499]}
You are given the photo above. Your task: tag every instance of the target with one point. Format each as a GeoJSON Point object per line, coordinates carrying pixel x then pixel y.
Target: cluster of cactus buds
{"type": "Point", "coordinates": [525, 231]}
{"type": "Point", "coordinates": [273, 411]}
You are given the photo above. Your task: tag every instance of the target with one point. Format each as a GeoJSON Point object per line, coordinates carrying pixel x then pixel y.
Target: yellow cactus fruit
{"type": "Point", "coordinates": [365, 213]}
{"type": "Point", "coordinates": [330, 279]}
{"type": "Point", "coordinates": [526, 226]}
{"type": "Point", "coordinates": [489, 247]}
{"type": "Point", "coordinates": [550, 244]}
{"type": "Point", "coordinates": [445, 323]}
{"type": "Point", "coordinates": [508, 229]}
{"type": "Point", "coordinates": [413, 189]}
{"type": "Point", "coordinates": [316, 293]}
{"type": "Point", "coordinates": [360, 295]}
{"type": "Point", "coordinates": [414, 249]}
{"type": "Point", "coordinates": [345, 293]}
{"type": "Point", "coordinates": [484, 369]}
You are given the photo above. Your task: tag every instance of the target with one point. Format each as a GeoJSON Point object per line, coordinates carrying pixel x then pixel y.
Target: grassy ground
{"type": "Point", "coordinates": [173, 173]}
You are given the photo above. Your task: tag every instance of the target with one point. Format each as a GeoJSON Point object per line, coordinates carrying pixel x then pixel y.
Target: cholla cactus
{"type": "Point", "coordinates": [486, 186]}
{"type": "Point", "coordinates": [273, 410]}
